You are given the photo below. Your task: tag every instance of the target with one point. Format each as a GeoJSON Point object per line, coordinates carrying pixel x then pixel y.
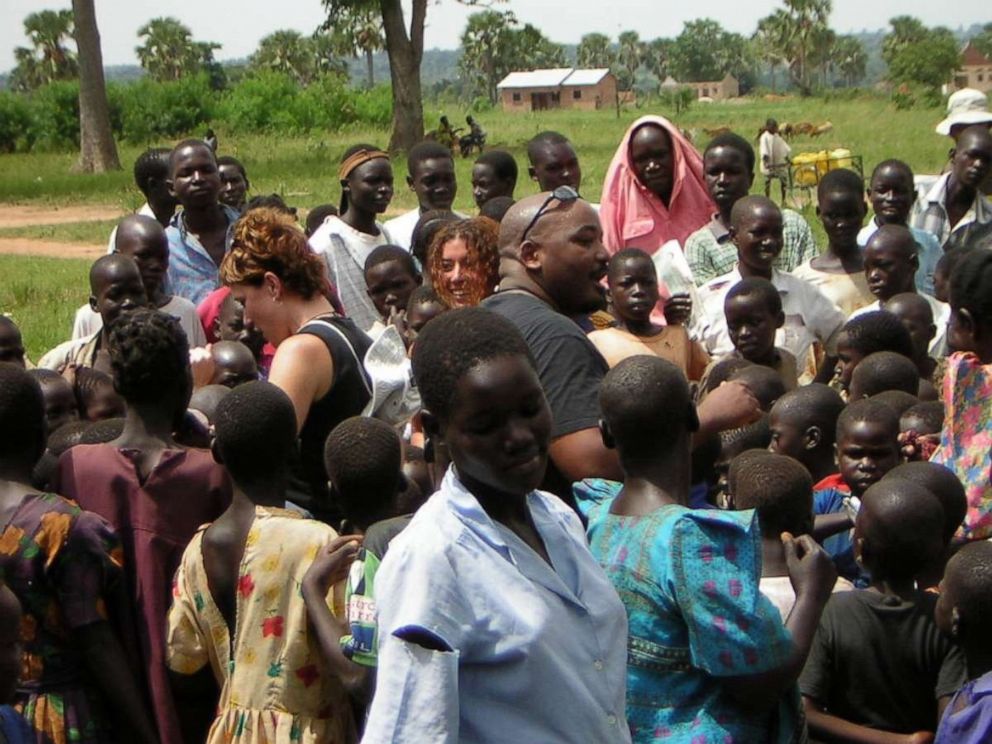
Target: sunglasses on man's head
{"type": "Point", "coordinates": [561, 194]}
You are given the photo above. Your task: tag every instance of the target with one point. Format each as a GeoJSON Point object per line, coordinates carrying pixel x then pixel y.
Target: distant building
{"type": "Point", "coordinates": [975, 71]}
{"type": "Point", "coordinates": [565, 88]}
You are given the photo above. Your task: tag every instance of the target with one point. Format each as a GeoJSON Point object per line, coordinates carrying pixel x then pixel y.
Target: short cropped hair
{"type": "Point", "coordinates": [840, 179]}
{"type": "Point", "coordinates": [942, 483]}
{"type": "Point", "coordinates": [627, 254]}
{"type": "Point", "coordinates": [898, 400]}
{"type": "Point", "coordinates": [647, 405]}
{"type": "Point", "coordinates": [970, 574]}
{"type": "Point", "coordinates": [317, 215]}
{"type": "Point", "coordinates": [426, 150]}
{"type": "Point", "coordinates": [878, 331]}
{"type": "Point", "coordinates": [425, 295]}
{"type": "Point", "coordinates": [386, 253]}
{"type": "Point", "coordinates": [765, 384]}
{"type": "Point", "coordinates": [255, 431]}
{"type": "Point", "coordinates": [363, 459]}
{"type": "Point", "coordinates": [503, 164]}
{"type": "Point", "coordinates": [734, 142]}
{"type": "Point", "coordinates": [779, 488]}
{"type": "Point", "coordinates": [893, 164]}
{"type": "Point", "coordinates": [185, 144]}
{"type": "Point", "coordinates": [812, 405]}
{"type": "Point", "coordinates": [902, 524]}
{"type": "Point", "coordinates": [149, 354]}
{"type": "Point", "coordinates": [152, 163]}
{"type": "Point", "coordinates": [266, 240]}
{"type": "Point", "coordinates": [930, 412]}
{"type": "Point", "coordinates": [756, 435]}
{"type": "Point", "coordinates": [496, 208]}
{"type": "Point", "coordinates": [867, 409]}
{"type": "Point", "coordinates": [456, 342]}
{"type": "Point", "coordinates": [971, 284]}
{"type": "Point", "coordinates": [231, 160]}
{"type": "Point", "coordinates": [541, 140]}
{"type": "Point", "coordinates": [886, 370]}
{"type": "Point", "coordinates": [22, 414]}
{"type": "Point", "coordinates": [272, 201]}
{"type": "Point", "coordinates": [759, 287]}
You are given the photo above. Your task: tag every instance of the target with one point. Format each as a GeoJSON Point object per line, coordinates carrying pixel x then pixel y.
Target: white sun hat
{"type": "Point", "coordinates": [965, 107]}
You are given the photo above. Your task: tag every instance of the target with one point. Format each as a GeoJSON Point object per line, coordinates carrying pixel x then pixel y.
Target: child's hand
{"type": "Point", "coordinates": [810, 568]}
{"type": "Point", "coordinates": [920, 737]}
{"type": "Point", "coordinates": [332, 563]}
{"type": "Point", "coordinates": [678, 308]}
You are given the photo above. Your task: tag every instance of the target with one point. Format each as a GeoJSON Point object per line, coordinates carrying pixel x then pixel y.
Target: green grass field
{"type": "Point", "coordinates": [42, 293]}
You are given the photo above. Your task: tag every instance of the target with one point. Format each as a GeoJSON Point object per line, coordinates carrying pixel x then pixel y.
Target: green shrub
{"type": "Point", "coordinates": [153, 111]}
{"type": "Point", "coordinates": [54, 116]}
{"type": "Point", "coordinates": [15, 120]}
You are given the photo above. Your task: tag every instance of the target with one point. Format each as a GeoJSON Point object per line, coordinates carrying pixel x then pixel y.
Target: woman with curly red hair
{"type": "Point", "coordinates": [463, 261]}
{"type": "Point", "coordinates": [280, 281]}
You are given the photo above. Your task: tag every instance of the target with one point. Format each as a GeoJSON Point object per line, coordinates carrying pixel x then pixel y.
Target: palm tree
{"type": "Point", "coordinates": [169, 52]}
{"type": "Point", "coordinates": [851, 59]}
{"type": "Point", "coordinates": [807, 20]}
{"type": "Point", "coordinates": [48, 58]}
{"type": "Point", "coordinates": [594, 51]}
{"type": "Point", "coordinates": [630, 56]}
{"type": "Point", "coordinates": [356, 31]}
{"type": "Point", "coordinates": [656, 58]}
{"type": "Point", "coordinates": [287, 52]}
{"type": "Point", "coordinates": [771, 41]}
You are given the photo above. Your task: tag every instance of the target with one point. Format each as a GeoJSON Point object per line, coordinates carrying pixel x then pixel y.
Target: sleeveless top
{"type": "Point", "coordinates": [348, 395]}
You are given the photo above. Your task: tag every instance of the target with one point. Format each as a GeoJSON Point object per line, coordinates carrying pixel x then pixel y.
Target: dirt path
{"type": "Point", "coordinates": [25, 215]}
{"type": "Point", "coordinates": [49, 248]}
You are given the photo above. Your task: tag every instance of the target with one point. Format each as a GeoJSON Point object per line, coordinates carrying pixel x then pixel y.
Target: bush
{"type": "Point", "coordinates": [54, 116]}
{"type": "Point", "coordinates": [15, 121]}
{"type": "Point", "coordinates": [153, 111]}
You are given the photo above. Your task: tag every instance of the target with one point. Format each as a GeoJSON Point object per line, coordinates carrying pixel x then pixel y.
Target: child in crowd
{"type": "Point", "coordinates": [431, 170]}
{"type": "Point", "coordinates": [754, 436]}
{"type": "Point", "coordinates": [839, 272]}
{"type": "Point", "coordinates": [892, 193]}
{"type": "Point", "coordinates": [115, 290]}
{"type": "Point", "coordinates": [494, 175]}
{"type": "Point", "coordinates": [440, 620]}
{"type": "Point", "coordinates": [234, 182]}
{"type": "Point", "coordinates": [13, 728]}
{"type": "Point", "coordinates": [641, 530]}
{"type": "Point", "coordinates": [867, 449]}
{"type": "Point", "coordinates": [223, 319]}
{"type": "Point", "coordinates": [965, 445]}
{"type": "Point", "coordinates": [424, 305]}
{"type": "Point", "coordinates": [633, 283]}
{"type": "Point", "coordinates": [11, 343]}
{"type": "Point", "coordinates": [891, 264]}
{"type": "Point", "coordinates": [947, 489]}
{"type": "Point", "coordinates": [391, 276]}
{"type": "Point", "coordinates": [867, 334]}
{"type": "Point", "coordinates": [144, 240]}
{"type": "Point", "coordinates": [942, 273]}
{"type": "Point", "coordinates": [964, 614]}
{"type": "Point", "coordinates": [61, 407]}
{"type": "Point", "coordinates": [756, 229]}
{"type": "Point", "coordinates": [764, 383]}
{"type": "Point", "coordinates": [64, 566]}
{"type": "Point", "coordinates": [915, 313]}
{"type": "Point", "coordinates": [96, 398]}
{"type": "Point", "coordinates": [753, 309]}
{"type": "Point", "coordinates": [236, 598]}
{"type": "Point", "coordinates": [920, 428]}
{"type": "Point", "coordinates": [234, 364]}
{"type": "Point", "coordinates": [496, 208]}
{"type": "Point", "coordinates": [780, 490]}
{"type": "Point", "coordinates": [881, 371]}
{"type": "Point", "coordinates": [154, 493]}
{"type": "Point", "coordinates": [879, 662]}
{"type": "Point", "coordinates": [898, 400]}
{"type": "Point", "coordinates": [317, 215]}
{"type": "Point", "coordinates": [345, 242]}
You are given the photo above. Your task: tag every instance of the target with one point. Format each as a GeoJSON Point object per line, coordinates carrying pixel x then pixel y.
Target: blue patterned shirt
{"type": "Point", "coordinates": [192, 273]}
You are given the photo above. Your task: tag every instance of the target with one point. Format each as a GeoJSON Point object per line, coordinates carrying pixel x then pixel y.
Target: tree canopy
{"type": "Point", "coordinates": [48, 58]}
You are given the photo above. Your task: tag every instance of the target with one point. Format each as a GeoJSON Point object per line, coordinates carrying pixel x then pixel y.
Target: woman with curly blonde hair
{"type": "Point", "coordinates": [463, 261]}
{"type": "Point", "coordinates": [280, 281]}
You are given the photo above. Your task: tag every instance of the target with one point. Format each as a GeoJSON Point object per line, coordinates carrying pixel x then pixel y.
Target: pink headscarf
{"type": "Point", "coordinates": [632, 216]}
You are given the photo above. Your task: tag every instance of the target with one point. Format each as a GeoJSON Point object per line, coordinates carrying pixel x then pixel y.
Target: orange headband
{"type": "Point", "coordinates": [358, 158]}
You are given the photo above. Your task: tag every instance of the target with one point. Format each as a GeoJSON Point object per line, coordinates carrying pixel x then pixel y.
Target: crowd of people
{"type": "Point", "coordinates": [652, 468]}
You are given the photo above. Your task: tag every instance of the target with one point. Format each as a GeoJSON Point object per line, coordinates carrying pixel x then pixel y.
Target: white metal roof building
{"type": "Point", "coordinates": [565, 87]}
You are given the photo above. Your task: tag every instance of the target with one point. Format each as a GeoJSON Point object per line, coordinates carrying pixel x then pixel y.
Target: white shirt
{"type": "Point", "coordinates": [88, 321]}
{"type": "Point", "coordinates": [539, 651]}
{"type": "Point", "coordinates": [809, 316]}
{"type": "Point", "coordinates": [345, 250]}
{"type": "Point", "coordinates": [401, 228]}
{"type": "Point", "coordinates": [941, 314]}
{"type": "Point", "coordinates": [775, 149]}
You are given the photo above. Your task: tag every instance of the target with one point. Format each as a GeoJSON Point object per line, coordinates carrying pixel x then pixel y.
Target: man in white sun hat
{"type": "Point", "coordinates": [965, 108]}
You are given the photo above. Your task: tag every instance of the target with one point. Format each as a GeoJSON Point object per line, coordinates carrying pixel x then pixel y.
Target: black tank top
{"type": "Point", "coordinates": [347, 396]}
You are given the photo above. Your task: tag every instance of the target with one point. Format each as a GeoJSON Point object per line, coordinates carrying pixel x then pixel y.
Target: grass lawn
{"type": "Point", "coordinates": [43, 293]}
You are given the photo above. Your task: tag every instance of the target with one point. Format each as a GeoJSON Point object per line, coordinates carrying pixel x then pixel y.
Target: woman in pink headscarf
{"type": "Point", "coordinates": [654, 190]}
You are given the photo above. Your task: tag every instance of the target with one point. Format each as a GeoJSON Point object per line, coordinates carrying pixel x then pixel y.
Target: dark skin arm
{"type": "Point", "coordinates": [582, 454]}
{"type": "Point", "coordinates": [827, 727]}
{"type": "Point", "coordinates": [104, 659]}
{"type": "Point", "coordinates": [827, 525]}
{"type": "Point", "coordinates": [196, 697]}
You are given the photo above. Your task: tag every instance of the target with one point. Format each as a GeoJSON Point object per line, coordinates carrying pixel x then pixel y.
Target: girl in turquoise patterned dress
{"type": "Point", "coordinates": [708, 658]}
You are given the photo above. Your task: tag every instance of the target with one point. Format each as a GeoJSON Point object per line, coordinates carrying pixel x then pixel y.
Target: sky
{"type": "Point", "coordinates": [239, 24]}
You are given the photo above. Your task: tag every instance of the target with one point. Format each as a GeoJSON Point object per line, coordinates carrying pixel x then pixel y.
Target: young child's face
{"type": "Point", "coordinates": [752, 327]}
{"type": "Point", "coordinates": [433, 180]}
{"type": "Point", "coordinates": [152, 258]}
{"type": "Point", "coordinates": [389, 286]}
{"type": "Point", "coordinates": [919, 424]}
{"type": "Point", "coordinates": [60, 404]}
{"type": "Point", "coordinates": [499, 427]}
{"type": "Point", "coordinates": [420, 314]}
{"type": "Point", "coordinates": [231, 326]}
{"type": "Point", "coordinates": [886, 269]}
{"type": "Point", "coordinates": [918, 323]}
{"type": "Point", "coordinates": [842, 214]}
{"type": "Point", "coordinates": [727, 175]}
{"type": "Point", "coordinates": [866, 451]}
{"type": "Point", "coordinates": [787, 437]}
{"type": "Point", "coordinates": [847, 359]}
{"type": "Point", "coordinates": [891, 195]}
{"type": "Point", "coordinates": [104, 403]}
{"type": "Point", "coordinates": [758, 237]}
{"type": "Point", "coordinates": [487, 185]}
{"type": "Point", "coordinates": [634, 289]}
{"type": "Point", "coordinates": [120, 291]}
